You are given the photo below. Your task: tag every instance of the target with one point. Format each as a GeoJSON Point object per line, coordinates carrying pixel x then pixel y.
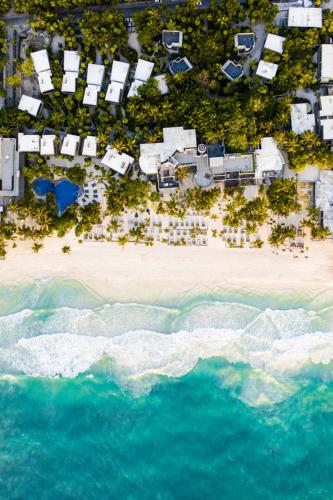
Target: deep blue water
{"type": "Point", "coordinates": [143, 415]}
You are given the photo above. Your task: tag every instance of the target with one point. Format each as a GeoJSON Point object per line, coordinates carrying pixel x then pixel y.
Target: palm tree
{"type": "Point", "coordinates": [66, 249]}
{"type": "Point", "coordinates": [182, 173]}
{"type": "Point", "coordinates": [122, 240]}
{"type": "Point", "coordinates": [36, 247]}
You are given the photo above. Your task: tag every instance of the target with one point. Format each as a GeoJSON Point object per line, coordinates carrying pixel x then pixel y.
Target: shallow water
{"type": "Point", "coordinates": [219, 395]}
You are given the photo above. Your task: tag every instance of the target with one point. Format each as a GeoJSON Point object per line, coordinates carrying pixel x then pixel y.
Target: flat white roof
{"type": "Point", "coordinates": [45, 81]}
{"type": "Point", "coordinates": [28, 143]}
{"type": "Point", "coordinates": [29, 104]}
{"type": "Point", "coordinates": [69, 82]}
{"type": "Point", "coordinates": [326, 106]}
{"type": "Point", "coordinates": [95, 74]}
{"type": "Point", "coordinates": [90, 95]}
{"type": "Point", "coordinates": [174, 139]}
{"type": "Point", "coordinates": [268, 157]}
{"type": "Point", "coordinates": [326, 71]}
{"type": "Point", "coordinates": [70, 145]}
{"type": "Point", "coordinates": [143, 70]}
{"type": "Point", "coordinates": [47, 145]}
{"type": "Point", "coordinates": [120, 162]}
{"type": "Point", "coordinates": [162, 84]}
{"type": "Point", "coordinates": [274, 42]}
{"type": "Point", "coordinates": [266, 69]}
{"type": "Point", "coordinates": [40, 60]}
{"type": "Point", "coordinates": [301, 120]}
{"type": "Point", "coordinates": [71, 61]}
{"type": "Point", "coordinates": [133, 91]}
{"type": "Point", "coordinates": [119, 71]}
{"type": "Point", "coordinates": [305, 17]}
{"type": "Point", "coordinates": [89, 146]}
{"type": "Point", "coordinates": [113, 93]}
{"type": "Point", "coordinates": [327, 127]}
{"type": "Point", "coordinates": [9, 167]}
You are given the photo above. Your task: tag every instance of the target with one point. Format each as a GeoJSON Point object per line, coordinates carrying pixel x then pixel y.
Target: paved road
{"type": "Point", "coordinates": [127, 9]}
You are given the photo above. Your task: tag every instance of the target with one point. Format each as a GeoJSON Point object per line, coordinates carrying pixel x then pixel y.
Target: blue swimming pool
{"type": "Point", "coordinates": [65, 192]}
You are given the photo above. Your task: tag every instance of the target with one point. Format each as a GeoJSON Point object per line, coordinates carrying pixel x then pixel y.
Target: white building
{"type": "Point", "coordinates": [40, 61]}
{"type": "Point", "coordinates": [30, 104]}
{"type": "Point", "coordinates": [327, 129]}
{"type": "Point", "coordinates": [70, 145]}
{"type": "Point", "coordinates": [162, 84]}
{"type": "Point", "coordinates": [274, 43]}
{"type": "Point", "coordinates": [266, 70]}
{"type": "Point", "coordinates": [325, 63]}
{"type": "Point", "coordinates": [89, 146]}
{"type": "Point", "coordinates": [142, 74]}
{"type": "Point", "coordinates": [326, 106]}
{"type": "Point", "coordinates": [41, 64]}
{"type": "Point", "coordinates": [120, 162]}
{"type": "Point", "coordinates": [305, 17]}
{"type": "Point", "coordinates": [118, 79]}
{"type": "Point", "coordinates": [95, 75]}
{"type": "Point", "coordinates": [9, 168]}
{"type": "Point", "coordinates": [47, 147]}
{"type": "Point", "coordinates": [28, 143]}
{"type": "Point", "coordinates": [324, 197]}
{"type": "Point", "coordinates": [269, 158]}
{"type": "Point", "coordinates": [175, 139]}
{"type": "Point", "coordinates": [71, 68]}
{"type": "Point", "coordinates": [301, 120]}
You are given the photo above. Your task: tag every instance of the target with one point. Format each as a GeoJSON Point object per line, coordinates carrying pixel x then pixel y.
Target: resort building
{"type": "Point", "coordinates": [162, 84]}
{"type": "Point", "coordinates": [327, 129]}
{"type": "Point", "coordinates": [142, 74]}
{"type": "Point", "coordinates": [28, 143]}
{"type": "Point", "coordinates": [326, 106]}
{"type": "Point", "coordinates": [175, 140]}
{"type": "Point", "coordinates": [47, 145]}
{"type": "Point", "coordinates": [325, 63]}
{"type": "Point", "coordinates": [232, 70]}
{"type": "Point", "coordinates": [302, 120]}
{"type": "Point", "coordinates": [95, 75]}
{"type": "Point", "coordinates": [70, 145]}
{"type": "Point", "coordinates": [41, 64]}
{"type": "Point", "coordinates": [9, 170]}
{"type": "Point", "coordinates": [269, 159]}
{"type": "Point", "coordinates": [30, 104]}
{"type": "Point", "coordinates": [245, 42]}
{"type": "Point", "coordinates": [119, 162]}
{"type": "Point", "coordinates": [71, 68]}
{"type": "Point", "coordinates": [324, 198]}
{"type": "Point", "coordinates": [89, 147]}
{"type": "Point", "coordinates": [266, 70]}
{"type": "Point", "coordinates": [305, 17]}
{"type": "Point", "coordinates": [180, 65]}
{"type": "Point", "coordinates": [274, 43]}
{"type": "Point", "coordinates": [172, 40]}
{"type": "Point", "coordinates": [118, 80]}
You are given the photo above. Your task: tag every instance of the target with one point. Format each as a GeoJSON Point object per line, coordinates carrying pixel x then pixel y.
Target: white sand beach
{"type": "Point", "coordinates": [138, 272]}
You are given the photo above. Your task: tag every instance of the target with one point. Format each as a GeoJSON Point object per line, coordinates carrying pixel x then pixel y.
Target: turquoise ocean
{"type": "Point", "coordinates": [224, 394]}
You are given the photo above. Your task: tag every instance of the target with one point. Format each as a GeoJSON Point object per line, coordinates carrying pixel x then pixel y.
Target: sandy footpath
{"type": "Point", "coordinates": [139, 272]}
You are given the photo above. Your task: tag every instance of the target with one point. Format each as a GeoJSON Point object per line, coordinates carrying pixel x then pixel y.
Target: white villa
{"type": "Point", "coordinates": [95, 76]}
{"type": "Point", "coordinates": [28, 143]}
{"type": "Point", "coordinates": [47, 146]}
{"type": "Point", "coordinates": [119, 162]}
{"type": "Point", "coordinates": [30, 104]}
{"type": "Point", "coordinates": [305, 17]}
{"type": "Point", "coordinates": [325, 63]}
{"type": "Point", "coordinates": [118, 80]}
{"type": "Point", "coordinates": [301, 120]}
{"type": "Point", "coordinates": [89, 147]}
{"type": "Point", "coordinates": [270, 160]}
{"type": "Point", "coordinates": [71, 68]}
{"type": "Point", "coordinates": [41, 64]}
{"type": "Point", "coordinates": [9, 169]}
{"type": "Point", "coordinates": [70, 145]}
{"type": "Point", "coordinates": [324, 197]}
{"type": "Point", "coordinates": [266, 70]}
{"type": "Point", "coordinates": [142, 74]}
{"type": "Point", "coordinates": [274, 43]}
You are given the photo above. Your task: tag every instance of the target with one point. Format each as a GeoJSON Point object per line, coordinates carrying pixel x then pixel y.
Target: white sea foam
{"type": "Point", "coordinates": [276, 344]}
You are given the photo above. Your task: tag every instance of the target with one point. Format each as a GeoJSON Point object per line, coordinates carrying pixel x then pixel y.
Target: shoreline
{"type": "Point", "coordinates": [141, 273]}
